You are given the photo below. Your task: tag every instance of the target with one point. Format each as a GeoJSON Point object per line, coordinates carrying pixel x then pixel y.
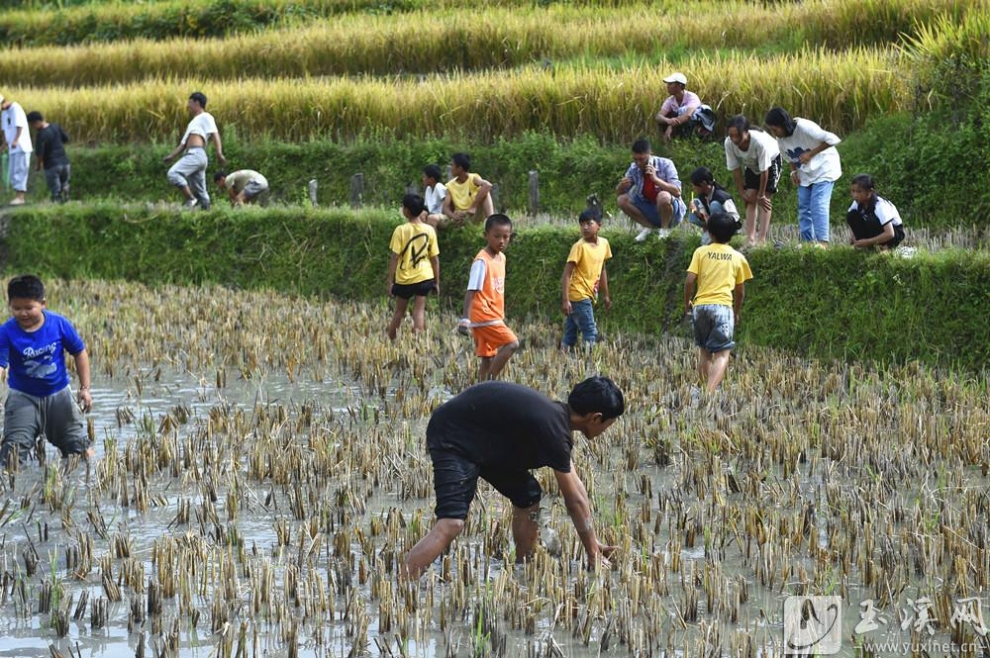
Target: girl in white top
{"type": "Point", "coordinates": [754, 160]}
{"type": "Point", "coordinates": [815, 167]}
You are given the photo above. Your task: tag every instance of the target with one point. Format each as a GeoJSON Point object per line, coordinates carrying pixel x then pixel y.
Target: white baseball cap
{"type": "Point", "coordinates": [676, 77]}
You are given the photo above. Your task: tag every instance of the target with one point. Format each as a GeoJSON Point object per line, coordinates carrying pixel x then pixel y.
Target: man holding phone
{"type": "Point", "coordinates": [650, 192]}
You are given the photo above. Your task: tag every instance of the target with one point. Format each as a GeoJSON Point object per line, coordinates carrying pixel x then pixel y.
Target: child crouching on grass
{"type": "Point", "coordinates": [584, 276]}
{"type": "Point", "coordinates": [414, 266]}
{"type": "Point", "coordinates": [32, 346]}
{"type": "Point", "coordinates": [713, 297]}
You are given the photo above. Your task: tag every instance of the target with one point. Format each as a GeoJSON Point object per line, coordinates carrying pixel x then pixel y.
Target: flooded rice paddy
{"type": "Point", "coordinates": [261, 471]}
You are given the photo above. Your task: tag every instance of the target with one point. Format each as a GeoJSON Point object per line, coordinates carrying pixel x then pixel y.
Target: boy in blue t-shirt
{"type": "Point", "coordinates": [39, 400]}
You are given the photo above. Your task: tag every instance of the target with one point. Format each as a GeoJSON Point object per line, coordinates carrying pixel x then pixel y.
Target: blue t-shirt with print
{"type": "Point", "coordinates": [36, 359]}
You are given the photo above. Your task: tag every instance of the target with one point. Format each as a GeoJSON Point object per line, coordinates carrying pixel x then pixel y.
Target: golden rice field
{"type": "Point", "coordinates": [488, 104]}
{"type": "Point", "coordinates": [503, 70]}
{"type": "Point", "coordinates": [448, 40]}
{"type": "Point", "coordinates": [261, 471]}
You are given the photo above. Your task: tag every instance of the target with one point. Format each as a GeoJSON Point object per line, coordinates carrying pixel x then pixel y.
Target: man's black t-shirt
{"type": "Point", "coordinates": [504, 426]}
{"type": "Point", "coordinates": [49, 146]}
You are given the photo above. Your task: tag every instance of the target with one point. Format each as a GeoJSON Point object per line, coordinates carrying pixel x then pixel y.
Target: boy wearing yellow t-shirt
{"type": "Point", "coordinates": [414, 266]}
{"type": "Point", "coordinates": [584, 276]}
{"type": "Point", "coordinates": [468, 198]}
{"type": "Point", "coordinates": [720, 273]}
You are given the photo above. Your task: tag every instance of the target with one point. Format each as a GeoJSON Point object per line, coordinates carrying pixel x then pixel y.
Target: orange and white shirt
{"type": "Point", "coordinates": [487, 279]}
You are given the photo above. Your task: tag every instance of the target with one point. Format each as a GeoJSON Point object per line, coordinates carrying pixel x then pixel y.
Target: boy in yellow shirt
{"type": "Point", "coordinates": [720, 273]}
{"type": "Point", "coordinates": [584, 276]}
{"type": "Point", "coordinates": [414, 267]}
{"type": "Point", "coordinates": [468, 194]}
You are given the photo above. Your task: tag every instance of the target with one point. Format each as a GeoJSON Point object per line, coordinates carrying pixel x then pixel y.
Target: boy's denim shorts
{"type": "Point", "coordinates": [714, 326]}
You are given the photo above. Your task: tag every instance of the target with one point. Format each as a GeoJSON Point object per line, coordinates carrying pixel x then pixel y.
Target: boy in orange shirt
{"type": "Point", "coordinates": [484, 302]}
{"type": "Point", "coordinates": [584, 276]}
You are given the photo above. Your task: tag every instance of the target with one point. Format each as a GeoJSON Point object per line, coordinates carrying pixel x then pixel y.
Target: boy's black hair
{"type": "Point", "coordinates": [26, 286]}
{"type": "Point", "coordinates": [432, 171]}
{"type": "Point", "coordinates": [597, 395]}
{"type": "Point", "coordinates": [462, 160]}
{"type": "Point", "coordinates": [779, 117]}
{"type": "Point", "coordinates": [642, 146]}
{"type": "Point", "coordinates": [721, 226]}
{"type": "Point", "coordinates": [199, 97]}
{"type": "Point", "coordinates": [498, 219]}
{"type": "Point", "coordinates": [593, 210]}
{"type": "Point", "coordinates": [220, 174]}
{"type": "Point", "coordinates": [702, 175]}
{"type": "Point", "coordinates": [33, 116]}
{"type": "Point", "coordinates": [414, 204]}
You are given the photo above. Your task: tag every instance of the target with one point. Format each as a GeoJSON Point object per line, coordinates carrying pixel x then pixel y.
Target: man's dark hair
{"type": "Point", "coordinates": [432, 171]}
{"type": "Point", "coordinates": [497, 219]}
{"type": "Point", "coordinates": [199, 97]}
{"type": "Point", "coordinates": [462, 160]}
{"type": "Point", "coordinates": [220, 174]}
{"type": "Point", "coordinates": [26, 286]}
{"type": "Point", "coordinates": [414, 204]}
{"type": "Point", "coordinates": [34, 115]}
{"type": "Point", "coordinates": [642, 146]}
{"type": "Point", "coordinates": [597, 395]}
{"type": "Point", "coordinates": [721, 226]}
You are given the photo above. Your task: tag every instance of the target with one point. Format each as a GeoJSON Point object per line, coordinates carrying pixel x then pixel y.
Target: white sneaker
{"type": "Point", "coordinates": [190, 203]}
{"type": "Point", "coordinates": [645, 233]}
{"type": "Point", "coordinates": [663, 233]}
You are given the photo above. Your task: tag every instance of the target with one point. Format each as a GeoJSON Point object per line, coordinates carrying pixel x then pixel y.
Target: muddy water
{"type": "Point", "coordinates": [254, 490]}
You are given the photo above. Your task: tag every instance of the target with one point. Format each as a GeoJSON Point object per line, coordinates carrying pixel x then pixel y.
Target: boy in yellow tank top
{"type": "Point", "coordinates": [584, 276]}
{"type": "Point", "coordinates": [720, 273]}
{"type": "Point", "coordinates": [484, 302]}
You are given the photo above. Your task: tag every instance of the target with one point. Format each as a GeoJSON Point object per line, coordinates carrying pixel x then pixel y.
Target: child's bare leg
{"type": "Point", "coordinates": [763, 217]}
{"type": "Point", "coordinates": [419, 313]}
{"type": "Point", "coordinates": [501, 358]}
{"type": "Point", "coordinates": [719, 364]}
{"type": "Point", "coordinates": [751, 215]}
{"type": "Point", "coordinates": [400, 312]}
{"type": "Point", "coordinates": [704, 364]}
{"type": "Point", "coordinates": [484, 367]}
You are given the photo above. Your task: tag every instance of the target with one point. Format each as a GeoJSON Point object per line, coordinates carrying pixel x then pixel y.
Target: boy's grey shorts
{"type": "Point", "coordinates": [714, 326]}
{"type": "Point", "coordinates": [56, 416]}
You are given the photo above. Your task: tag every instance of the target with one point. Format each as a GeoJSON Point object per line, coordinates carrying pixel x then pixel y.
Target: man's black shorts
{"type": "Point", "coordinates": [455, 480]}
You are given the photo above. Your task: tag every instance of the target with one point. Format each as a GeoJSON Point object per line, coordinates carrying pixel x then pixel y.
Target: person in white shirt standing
{"type": "Point", "coordinates": [189, 172]}
{"type": "Point", "coordinates": [17, 139]}
{"type": "Point", "coordinates": [815, 166]}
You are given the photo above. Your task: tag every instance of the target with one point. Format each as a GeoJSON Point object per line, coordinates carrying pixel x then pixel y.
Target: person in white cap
{"type": "Point", "coordinates": [17, 139]}
{"type": "Point", "coordinates": [677, 114]}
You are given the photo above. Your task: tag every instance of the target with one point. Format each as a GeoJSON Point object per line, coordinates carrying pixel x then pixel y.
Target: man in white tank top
{"type": "Point", "coordinates": [189, 172]}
